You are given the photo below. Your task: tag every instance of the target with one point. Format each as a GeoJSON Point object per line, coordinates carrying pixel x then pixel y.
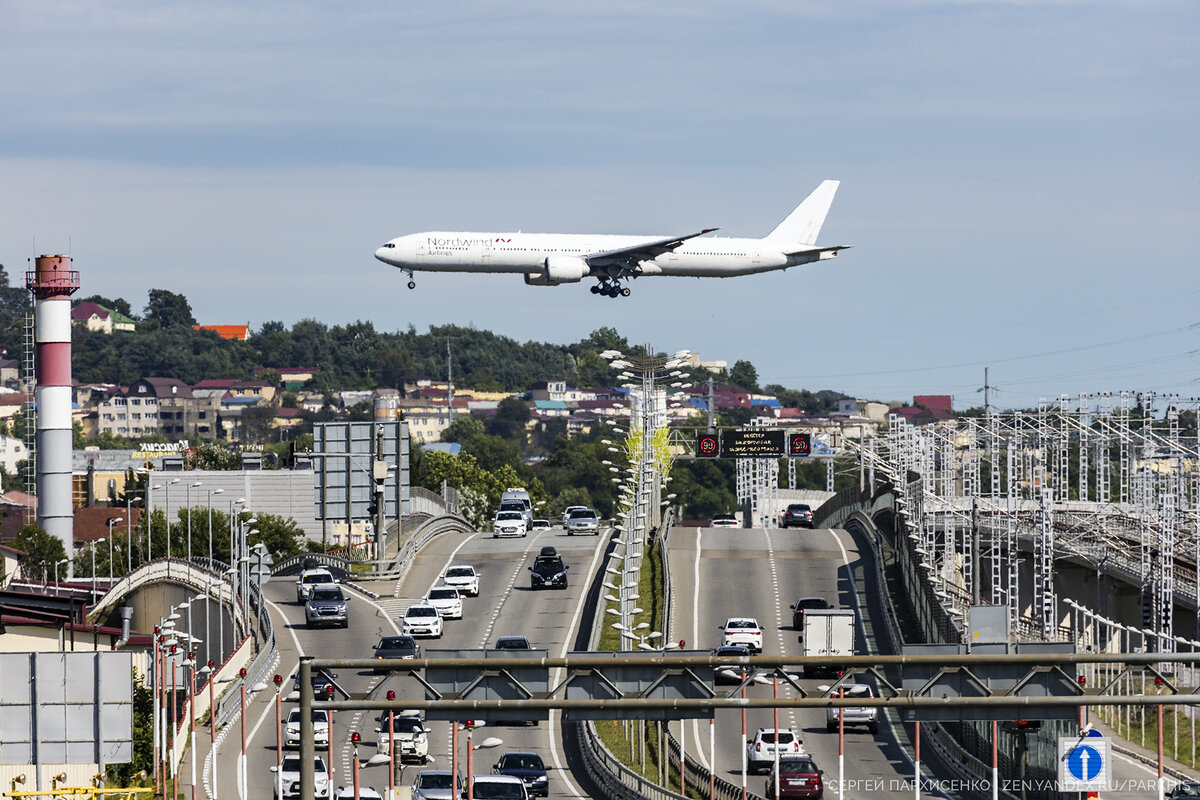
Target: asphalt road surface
{"type": "Point", "coordinates": [505, 605]}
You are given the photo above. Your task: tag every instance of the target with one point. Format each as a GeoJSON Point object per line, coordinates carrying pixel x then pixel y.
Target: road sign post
{"type": "Point", "coordinates": [1083, 764]}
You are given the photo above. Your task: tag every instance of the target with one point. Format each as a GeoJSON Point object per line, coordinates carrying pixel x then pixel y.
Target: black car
{"type": "Point", "coordinates": [397, 647]}
{"type": "Point", "coordinates": [730, 674]}
{"type": "Point", "coordinates": [529, 768]}
{"type": "Point", "coordinates": [1186, 789]}
{"type": "Point", "coordinates": [548, 571]}
{"type": "Point", "coordinates": [805, 604]}
{"type": "Point", "coordinates": [797, 515]}
{"type": "Point", "coordinates": [320, 679]}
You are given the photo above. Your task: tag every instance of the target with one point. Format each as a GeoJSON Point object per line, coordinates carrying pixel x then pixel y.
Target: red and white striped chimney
{"type": "Point", "coordinates": [52, 283]}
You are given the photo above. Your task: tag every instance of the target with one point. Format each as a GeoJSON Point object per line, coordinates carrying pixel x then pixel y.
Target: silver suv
{"type": "Point", "coordinates": [853, 715]}
{"type": "Point", "coordinates": [326, 606]}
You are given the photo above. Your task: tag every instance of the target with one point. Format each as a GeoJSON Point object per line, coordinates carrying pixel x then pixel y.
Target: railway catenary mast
{"type": "Point", "coordinates": [53, 282]}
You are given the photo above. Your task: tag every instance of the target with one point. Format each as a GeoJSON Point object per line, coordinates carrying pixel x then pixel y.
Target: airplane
{"type": "Point", "coordinates": [550, 259]}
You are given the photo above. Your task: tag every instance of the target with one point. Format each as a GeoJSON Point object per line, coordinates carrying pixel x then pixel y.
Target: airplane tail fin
{"type": "Point", "coordinates": [804, 224]}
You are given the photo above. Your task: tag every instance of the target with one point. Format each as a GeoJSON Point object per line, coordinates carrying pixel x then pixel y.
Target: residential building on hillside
{"type": "Point", "coordinates": [260, 390]}
{"type": "Point", "coordinates": [10, 373]}
{"type": "Point", "coordinates": [292, 377]}
{"type": "Point", "coordinates": [96, 317]}
{"type": "Point", "coordinates": [11, 403]}
{"type": "Point", "coordinates": [12, 450]}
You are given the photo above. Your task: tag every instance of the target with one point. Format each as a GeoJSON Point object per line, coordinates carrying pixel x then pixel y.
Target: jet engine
{"type": "Point", "coordinates": [559, 269]}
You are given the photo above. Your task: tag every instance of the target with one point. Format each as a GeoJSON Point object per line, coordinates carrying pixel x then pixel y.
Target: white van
{"type": "Point", "coordinates": [521, 496]}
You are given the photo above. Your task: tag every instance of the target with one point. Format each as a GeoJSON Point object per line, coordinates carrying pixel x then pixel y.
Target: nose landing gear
{"type": "Point", "coordinates": [412, 284]}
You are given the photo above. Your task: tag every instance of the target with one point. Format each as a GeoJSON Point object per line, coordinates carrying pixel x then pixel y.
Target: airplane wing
{"type": "Point", "coordinates": [643, 250]}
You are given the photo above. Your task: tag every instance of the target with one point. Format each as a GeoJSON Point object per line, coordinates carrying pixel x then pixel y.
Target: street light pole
{"type": "Point", "coordinates": [111, 523]}
{"type": "Point", "coordinates": [98, 541]}
{"type": "Point", "coordinates": [188, 492]}
{"type": "Point", "coordinates": [129, 533]}
{"type": "Point", "coordinates": [150, 518]}
{"type": "Point", "coordinates": [167, 514]}
{"type": "Point", "coordinates": [211, 492]}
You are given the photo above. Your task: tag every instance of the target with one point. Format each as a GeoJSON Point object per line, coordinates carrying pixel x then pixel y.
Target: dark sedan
{"type": "Point", "coordinates": [797, 515]}
{"type": "Point", "coordinates": [798, 777]}
{"type": "Point", "coordinates": [397, 647]}
{"type": "Point", "coordinates": [806, 604]}
{"type": "Point", "coordinates": [529, 768]}
{"type": "Point", "coordinates": [731, 673]}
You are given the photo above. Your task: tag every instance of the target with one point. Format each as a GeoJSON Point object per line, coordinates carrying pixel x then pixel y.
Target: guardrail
{"type": "Point", "coordinates": [399, 566]}
{"type": "Point", "coordinates": [607, 771]}
{"type": "Point", "coordinates": [264, 661]}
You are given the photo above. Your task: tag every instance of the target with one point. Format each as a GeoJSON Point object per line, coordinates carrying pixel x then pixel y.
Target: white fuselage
{"type": "Point", "coordinates": [525, 253]}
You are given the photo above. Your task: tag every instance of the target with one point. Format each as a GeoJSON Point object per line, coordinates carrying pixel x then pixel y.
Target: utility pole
{"type": "Point", "coordinates": [449, 386]}
{"type": "Point", "coordinates": [379, 474]}
{"type": "Point", "coordinates": [987, 406]}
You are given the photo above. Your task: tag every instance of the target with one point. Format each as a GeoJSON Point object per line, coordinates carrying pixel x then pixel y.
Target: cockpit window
{"type": "Point", "coordinates": [390, 244]}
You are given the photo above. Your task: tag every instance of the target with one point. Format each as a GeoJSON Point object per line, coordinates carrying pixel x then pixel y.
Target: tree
{"type": "Point", "coordinates": [463, 430]}
{"type": "Point", "coordinates": [512, 415]}
{"type": "Point", "coordinates": [120, 304]}
{"type": "Point", "coordinates": [493, 452]}
{"type": "Point", "coordinates": [744, 375]}
{"type": "Point", "coordinates": [270, 376]}
{"type": "Point", "coordinates": [40, 548]}
{"type": "Point", "coordinates": [482, 381]}
{"type": "Point", "coordinates": [169, 310]}
{"type": "Point", "coordinates": [256, 423]}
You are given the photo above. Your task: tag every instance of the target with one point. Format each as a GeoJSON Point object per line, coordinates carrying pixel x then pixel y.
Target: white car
{"type": "Point", "coordinates": [463, 578]}
{"type": "Point", "coordinates": [412, 737]}
{"type": "Point", "coordinates": [421, 620]}
{"type": "Point", "coordinates": [287, 777]}
{"type": "Point", "coordinates": [583, 520]}
{"type": "Point", "coordinates": [446, 600]}
{"type": "Point", "coordinates": [291, 728]}
{"type": "Point", "coordinates": [310, 578]}
{"type": "Point", "coordinates": [853, 715]}
{"type": "Point", "coordinates": [509, 523]}
{"type": "Point", "coordinates": [744, 631]}
{"type": "Point", "coordinates": [760, 751]}
{"type": "Point", "coordinates": [498, 787]}
{"type": "Point", "coordinates": [567, 512]}
{"type": "Point", "coordinates": [724, 521]}
{"type": "Point", "coordinates": [364, 793]}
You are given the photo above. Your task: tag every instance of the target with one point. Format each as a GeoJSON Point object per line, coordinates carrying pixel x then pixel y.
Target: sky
{"type": "Point", "coordinates": [1019, 179]}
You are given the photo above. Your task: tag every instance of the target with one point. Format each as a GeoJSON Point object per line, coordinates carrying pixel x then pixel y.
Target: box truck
{"type": "Point", "coordinates": [828, 632]}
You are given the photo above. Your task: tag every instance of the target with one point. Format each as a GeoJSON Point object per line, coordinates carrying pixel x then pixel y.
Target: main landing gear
{"type": "Point", "coordinates": [611, 289]}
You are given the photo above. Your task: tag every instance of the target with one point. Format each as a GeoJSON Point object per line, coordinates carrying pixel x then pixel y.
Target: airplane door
{"type": "Point", "coordinates": [485, 256]}
{"type": "Point", "coordinates": [420, 249]}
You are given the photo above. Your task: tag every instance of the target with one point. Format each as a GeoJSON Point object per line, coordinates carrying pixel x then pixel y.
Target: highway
{"type": "Point", "coordinates": [719, 573]}
{"type": "Point", "coordinates": [716, 574]}
{"type": "Point", "coordinates": [506, 605]}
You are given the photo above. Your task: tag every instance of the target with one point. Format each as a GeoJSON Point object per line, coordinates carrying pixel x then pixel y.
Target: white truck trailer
{"type": "Point", "coordinates": [828, 632]}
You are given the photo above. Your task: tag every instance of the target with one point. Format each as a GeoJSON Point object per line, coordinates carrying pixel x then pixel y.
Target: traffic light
{"type": "Point", "coordinates": [799, 444]}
